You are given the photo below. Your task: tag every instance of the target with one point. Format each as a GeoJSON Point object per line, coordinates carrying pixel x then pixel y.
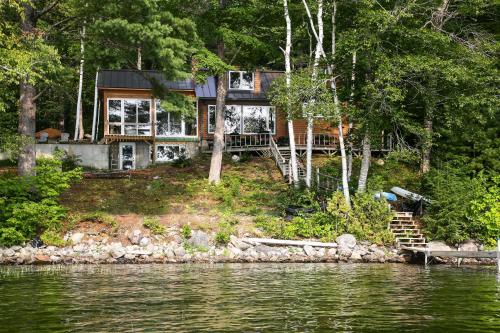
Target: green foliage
{"type": "Point", "coordinates": [69, 161]}
{"type": "Point", "coordinates": [186, 231]}
{"type": "Point", "coordinates": [52, 237]}
{"type": "Point", "coordinates": [463, 206]}
{"type": "Point", "coordinates": [226, 228]}
{"type": "Point", "coordinates": [153, 224]}
{"type": "Point", "coordinates": [97, 217]}
{"type": "Point", "coordinates": [183, 161]}
{"type": "Point", "coordinates": [29, 205]}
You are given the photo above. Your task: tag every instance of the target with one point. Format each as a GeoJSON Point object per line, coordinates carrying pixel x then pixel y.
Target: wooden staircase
{"type": "Point", "coordinates": [407, 230]}
{"type": "Point", "coordinates": [282, 158]}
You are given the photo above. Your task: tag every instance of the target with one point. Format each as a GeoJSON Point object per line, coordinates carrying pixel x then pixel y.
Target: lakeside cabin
{"type": "Point", "coordinates": [134, 131]}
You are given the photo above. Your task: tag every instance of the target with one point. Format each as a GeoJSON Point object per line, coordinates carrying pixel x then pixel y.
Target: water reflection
{"type": "Point", "coordinates": [248, 298]}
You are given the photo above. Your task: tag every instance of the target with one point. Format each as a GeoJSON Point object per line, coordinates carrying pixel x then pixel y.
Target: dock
{"type": "Point", "coordinates": [429, 254]}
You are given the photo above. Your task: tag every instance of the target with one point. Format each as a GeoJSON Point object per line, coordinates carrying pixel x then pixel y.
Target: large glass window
{"type": "Point", "coordinates": [129, 116]}
{"type": "Point", "coordinates": [173, 123]}
{"type": "Point", "coordinates": [245, 119]}
{"type": "Point", "coordinates": [241, 80]}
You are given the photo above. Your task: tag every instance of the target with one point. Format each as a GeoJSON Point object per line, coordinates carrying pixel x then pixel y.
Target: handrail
{"type": "Point", "coordinates": [246, 140]}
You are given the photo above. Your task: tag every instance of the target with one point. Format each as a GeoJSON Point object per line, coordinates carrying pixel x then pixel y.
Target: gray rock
{"type": "Point", "coordinates": [346, 240]}
{"type": "Point", "coordinates": [469, 245]}
{"type": "Point", "coordinates": [129, 256]}
{"type": "Point", "coordinates": [76, 238]}
{"type": "Point", "coordinates": [55, 258]}
{"type": "Point", "coordinates": [344, 252]}
{"type": "Point", "coordinates": [331, 252]}
{"type": "Point", "coordinates": [135, 237]}
{"type": "Point", "coordinates": [310, 252]}
{"type": "Point", "coordinates": [117, 251]}
{"type": "Point", "coordinates": [240, 244]}
{"type": "Point", "coordinates": [263, 249]}
{"type": "Point", "coordinates": [355, 255]}
{"type": "Point", "coordinates": [438, 246]}
{"type": "Point", "coordinates": [9, 253]}
{"type": "Point", "coordinates": [16, 247]}
{"type": "Point", "coordinates": [199, 239]}
{"type": "Point", "coordinates": [79, 248]}
{"type": "Point", "coordinates": [179, 251]}
{"type": "Point", "coordinates": [145, 241]}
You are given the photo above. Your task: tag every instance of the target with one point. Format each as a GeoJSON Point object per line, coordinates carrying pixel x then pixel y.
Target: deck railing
{"type": "Point", "coordinates": [319, 140]}
{"type": "Point", "coordinates": [247, 140]}
{"type": "Point", "coordinates": [280, 160]}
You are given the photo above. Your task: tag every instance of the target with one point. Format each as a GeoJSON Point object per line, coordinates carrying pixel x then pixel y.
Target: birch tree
{"type": "Point", "coordinates": [79, 116]}
{"type": "Point", "coordinates": [288, 73]}
{"type": "Point", "coordinates": [337, 111]}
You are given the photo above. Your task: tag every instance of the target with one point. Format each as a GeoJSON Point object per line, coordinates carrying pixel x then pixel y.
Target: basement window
{"type": "Point", "coordinates": [169, 153]}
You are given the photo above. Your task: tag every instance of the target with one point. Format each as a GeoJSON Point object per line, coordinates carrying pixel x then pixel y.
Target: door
{"type": "Point", "coordinates": [127, 155]}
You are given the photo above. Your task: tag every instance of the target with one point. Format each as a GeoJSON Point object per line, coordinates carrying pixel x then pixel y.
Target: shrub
{"type": "Point", "coordinates": [227, 191]}
{"type": "Point", "coordinates": [98, 217]}
{"type": "Point", "coordinates": [29, 205]}
{"type": "Point", "coordinates": [69, 161]}
{"type": "Point", "coordinates": [153, 224]}
{"type": "Point", "coordinates": [225, 230]}
{"type": "Point", "coordinates": [462, 206]}
{"type": "Point", "coordinates": [186, 231]}
{"type": "Point", "coordinates": [53, 237]}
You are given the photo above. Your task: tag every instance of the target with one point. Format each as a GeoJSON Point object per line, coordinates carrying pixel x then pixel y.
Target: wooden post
{"type": "Point", "coordinates": [317, 178]}
{"type": "Point", "coordinates": [426, 259]}
{"type": "Point", "coordinates": [498, 255]}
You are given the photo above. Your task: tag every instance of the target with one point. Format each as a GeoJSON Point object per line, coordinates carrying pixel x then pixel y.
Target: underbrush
{"type": "Point", "coordinates": [153, 224]}
{"type": "Point", "coordinates": [29, 205]}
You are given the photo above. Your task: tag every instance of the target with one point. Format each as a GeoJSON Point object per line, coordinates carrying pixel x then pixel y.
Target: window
{"type": "Point", "coordinates": [168, 153]}
{"type": "Point", "coordinates": [129, 116]}
{"type": "Point", "coordinates": [241, 80]}
{"type": "Point", "coordinates": [245, 119]}
{"type": "Point", "coordinates": [174, 124]}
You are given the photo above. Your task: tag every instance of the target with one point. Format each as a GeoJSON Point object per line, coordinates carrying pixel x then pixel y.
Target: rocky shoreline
{"type": "Point", "coordinates": [200, 248]}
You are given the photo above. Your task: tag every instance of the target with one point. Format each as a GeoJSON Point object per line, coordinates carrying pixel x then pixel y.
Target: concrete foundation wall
{"type": "Point", "coordinates": [91, 155]}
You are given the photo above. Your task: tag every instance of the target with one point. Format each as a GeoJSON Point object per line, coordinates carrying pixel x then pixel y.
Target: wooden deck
{"type": "Point", "coordinates": [430, 254]}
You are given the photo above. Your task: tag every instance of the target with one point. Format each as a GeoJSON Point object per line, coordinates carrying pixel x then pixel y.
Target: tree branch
{"type": "Point", "coordinates": [47, 9]}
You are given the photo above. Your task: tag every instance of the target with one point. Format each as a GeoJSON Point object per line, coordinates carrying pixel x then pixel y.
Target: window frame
{"type": "Point", "coordinates": [241, 77]}
{"type": "Point", "coordinates": [183, 124]}
{"type": "Point", "coordinates": [272, 131]}
{"type": "Point", "coordinates": [122, 122]}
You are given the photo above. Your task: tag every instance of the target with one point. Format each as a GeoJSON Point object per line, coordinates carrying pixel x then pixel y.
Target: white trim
{"type": "Point", "coordinates": [120, 160]}
{"type": "Point", "coordinates": [241, 77]}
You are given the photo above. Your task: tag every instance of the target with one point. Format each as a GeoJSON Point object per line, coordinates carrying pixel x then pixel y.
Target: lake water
{"type": "Point", "coordinates": [249, 298]}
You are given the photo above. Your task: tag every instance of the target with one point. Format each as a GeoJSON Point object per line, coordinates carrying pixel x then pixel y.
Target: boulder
{"type": "Point", "coordinates": [346, 240]}
{"type": "Point", "coordinates": [145, 241]}
{"type": "Point", "coordinates": [179, 251]}
{"type": "Point", "coordinates": [42, 258]}
{"type": "Point", "coordinates": [355, 255]}
{"type": "Point", "coordinates": [76, 238]}
{"type": "Point", "coordinates": [199, 239]}
{"type": "Point", "coordinates": [344, 252]}
{"type": "Point", "coordinates": [469, 245]}
{"type": "Point", "coordinates": [331, 252]}
{"type": "Point", "coordinates": [117, 251]}
{"type": "Point", "coordinates": [263, 249]}
{"type": "Point", "coordinates": [238, 243]}
{"type": "Point", "coordinates": [135, 237]}
{"type": "Point", "coordinates": [438, 246]}
{"type": "Point", "coordinates": [55, 259]}
{"type": "Point", "coordinates": [309, 250]}
{"type": "Point", "coordinates": [9, 253]}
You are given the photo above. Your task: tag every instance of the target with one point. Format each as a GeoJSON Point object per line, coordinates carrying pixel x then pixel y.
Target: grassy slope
{"type": "Point", "coordinates": [182, 196]}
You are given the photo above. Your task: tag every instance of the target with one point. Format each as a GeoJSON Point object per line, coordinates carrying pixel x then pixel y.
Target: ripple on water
{"type": "Point", "coordinates": [248, 298]}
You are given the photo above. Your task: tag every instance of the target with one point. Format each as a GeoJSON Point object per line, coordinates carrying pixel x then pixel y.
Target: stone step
{"type": "Point", "coordinates": [408, 236]}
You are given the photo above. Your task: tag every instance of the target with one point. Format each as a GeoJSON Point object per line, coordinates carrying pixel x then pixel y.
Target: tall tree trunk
{"type": "Point", "coordinates": [345, 178]}
{"type": "Point", "coordinates": [218, 149]}
{"type": "Point", "coordinates": [425, 165]}
{"type": "Point", "coordinates": [78, 120]}
{"type": "Point", "coordinates": [27, 102]}
{"type": "Point", "coordinates": [139, 58]}
{"type": "Point", "coordinates": [27, 122]}
{"type": "Point", "coordinates": [437, 21]}
{"type": "Point", "coordinates": [310, 116]}
{"type": "Point", "coordinates": [288, 73]}
{"type": "Point", "coordinates": [365, 163]}
{"type": "Point", "coordinates": [351, 101]}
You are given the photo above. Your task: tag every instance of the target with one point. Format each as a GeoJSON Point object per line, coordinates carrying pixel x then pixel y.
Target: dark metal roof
{"type": "Point", "coordinates": [132, 79]}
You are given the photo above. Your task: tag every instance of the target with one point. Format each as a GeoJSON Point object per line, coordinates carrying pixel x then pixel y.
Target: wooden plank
{"type": "Point", "coordinates": [464, 254]}
{"type": "Point", "coordinates": [288, 242]}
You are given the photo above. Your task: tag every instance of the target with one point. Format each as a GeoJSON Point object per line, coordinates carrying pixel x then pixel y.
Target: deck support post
{"type": "Point", "coordinates": [498, 255]}
{"type": "Point", "coordinates": [426, 258]}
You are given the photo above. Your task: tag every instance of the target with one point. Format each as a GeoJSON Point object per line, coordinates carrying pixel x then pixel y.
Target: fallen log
{"type": "Point", "coordinates": [288, 242]}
